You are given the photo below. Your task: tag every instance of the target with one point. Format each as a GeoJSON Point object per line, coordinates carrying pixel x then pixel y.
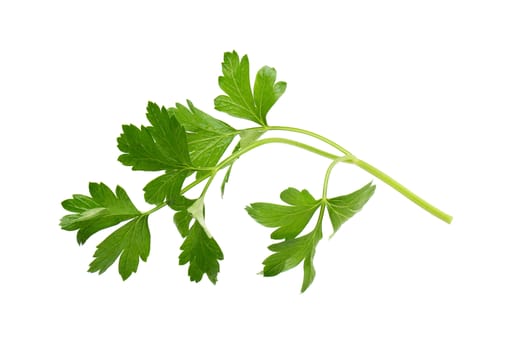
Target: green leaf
{"type": "Point", "coordinates": [195, 120]}
{"type": "Point", "coordinates": [102, 210]}
{"type": "Point", "coordinates": [130, 242]}
{"type": "Point", "coordinates": [239, 100]}
{"type": "Point", "coordinates": [290, 253]}
{"type": "Point", "coordinates": [199, 248]}
{"type": "Point", "coordinates": [165, 187]}
{"type": "Point", "coordinates": [342, 208]}
{"type": "Point", "coordinates": [308, 270]}
{"type": "Point", "coordinates": [208, 138]}
{"type": "Point", "coordinates": [235, 82]}
{"type": "Point", "coordinates": [202, 253]}
{"type": "Point", "coordinates": [266, 92]}
{"type": "Point", "coordinates": [298, 198]}
{"type": "Point", "coordinates": [290, 220]}
{"type": "Point", "coordinates": [161, 146]}
{"type": "Point", "coordinates": [182, 218]}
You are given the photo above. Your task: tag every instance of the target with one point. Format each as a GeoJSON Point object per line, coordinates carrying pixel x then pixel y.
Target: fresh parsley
{"type": "Point", "coordinates": [186, 147]}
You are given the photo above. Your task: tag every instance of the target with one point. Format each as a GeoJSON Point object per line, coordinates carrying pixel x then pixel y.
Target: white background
{"type": "Point", "coordinates": [432, 92]}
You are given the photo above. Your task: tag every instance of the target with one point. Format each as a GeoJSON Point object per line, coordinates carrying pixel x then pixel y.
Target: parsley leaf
{"type": "Point", "coordinates": [239, 100]}
{"type": "Point", "coordinates": [166, 187]}
{"type": "Point", "coordinates": [202, 253]}
{"type": "Point", "coordinates": [92, 214]}
{"type": "Point", "coordinates": [292, 252]}
{"type": "Point", "coordinates": [208, 138]}
{"type": "Point", "coordinates": [182, 217]}
{"type": "Point", "coordinates": [130, 242]}
{"type": "Point", "coordinates": [161, 146]}
{"type": "Point", "coordinates": [342, 208]}
{"type": "Point", "coordinates": [290, 220]}
{"type": "Point", "coordinates": [266, 91]}
{"type": "Point", "coordinates": [199, 248]}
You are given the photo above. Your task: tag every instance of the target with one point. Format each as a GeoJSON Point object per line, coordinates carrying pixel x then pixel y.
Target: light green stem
{"type": "Point", "coordinates": [314, 135]}
{"type": "Point", "coordinates": [327, 175]}
{"type": "Point", "coordinates": [262, 142]}
{"type": "Point", "coordinates": [404, 191]}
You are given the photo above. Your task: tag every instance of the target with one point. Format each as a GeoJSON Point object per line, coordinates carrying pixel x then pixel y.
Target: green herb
{"type": "Point", "coordinates": [187, 147]}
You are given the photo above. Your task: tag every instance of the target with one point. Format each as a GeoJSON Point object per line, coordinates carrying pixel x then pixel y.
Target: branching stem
{"type": "Point", "coordinates": [350, 158]}
{"type": "Point", "coordinates": [347, 157]}
{"type": "Point", "coordinates": [327, 175]}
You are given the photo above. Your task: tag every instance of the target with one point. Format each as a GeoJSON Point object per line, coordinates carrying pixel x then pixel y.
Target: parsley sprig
{"type": "Point", "coordinates": [186, 147]}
